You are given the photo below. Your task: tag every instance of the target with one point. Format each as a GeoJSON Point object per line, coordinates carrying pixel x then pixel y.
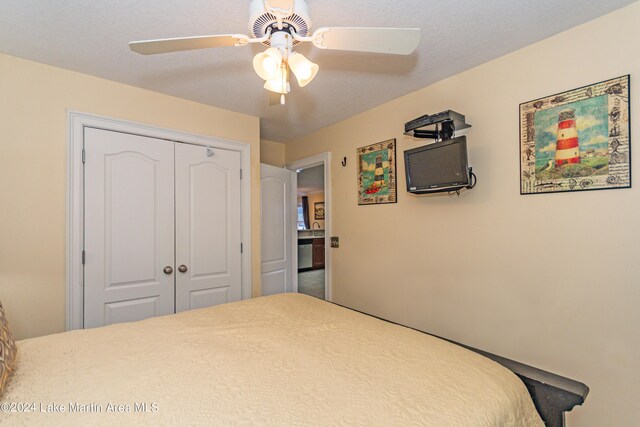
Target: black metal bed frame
{"type": "Point", "coordinates": [552, 394]}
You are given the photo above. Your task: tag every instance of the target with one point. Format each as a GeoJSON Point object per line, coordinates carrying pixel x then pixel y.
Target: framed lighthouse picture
{"type": "Point", "coordinates": [377, 173]}
{"type": "Point", "coordinates": [577, 140]}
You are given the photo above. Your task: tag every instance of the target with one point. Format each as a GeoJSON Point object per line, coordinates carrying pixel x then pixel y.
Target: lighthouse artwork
{"type": "Point", "coordinates": [567, 145]}
{"type": "Point", "coordinates": [377, 173]}
{"type": "Point", "coordinates": [576, 140]}
{"type": "Point", "coordinates": [378, 177]}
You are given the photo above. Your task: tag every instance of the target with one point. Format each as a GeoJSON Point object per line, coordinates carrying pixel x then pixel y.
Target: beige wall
{"type": "Point", "coordinates": [552, 280]}
{"type": "Point", "coordinates": [272, 153]}
{"type": "Point", "coordinates": [34, 99]}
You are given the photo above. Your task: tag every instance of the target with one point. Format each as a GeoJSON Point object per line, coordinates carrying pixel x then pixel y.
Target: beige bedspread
{"type": "Point", "coordinates": [281, 360]}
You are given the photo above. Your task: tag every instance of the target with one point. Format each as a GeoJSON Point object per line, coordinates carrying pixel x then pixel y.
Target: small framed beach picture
{"type": "Point", "coordinates": [377, 173]}
{"type": "Point", "coordinates": [318, 210]}
{"type": "Point", "coordinates": [577, 140]}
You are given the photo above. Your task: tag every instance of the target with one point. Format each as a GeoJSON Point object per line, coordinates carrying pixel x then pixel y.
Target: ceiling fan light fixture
{"type": "Point", "coordinates": [302, 68]}
{"type": "Point", "coordinates": [282, 24]}
{"type": "Point", "coordinates": [267, 64]}
{"type": "Point", "coordinates": [278, 85]}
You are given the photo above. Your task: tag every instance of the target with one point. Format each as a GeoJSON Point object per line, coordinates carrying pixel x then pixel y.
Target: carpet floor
{"type": "Point", "coordinates": [311, 283]}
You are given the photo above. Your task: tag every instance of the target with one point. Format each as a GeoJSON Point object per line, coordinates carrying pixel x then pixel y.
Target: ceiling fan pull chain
{"type": "Point", "coordinates": [283, 67]}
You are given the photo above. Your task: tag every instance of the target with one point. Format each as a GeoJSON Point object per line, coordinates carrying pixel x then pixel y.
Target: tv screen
{"type": "Point", "coordinates": [441, 166]}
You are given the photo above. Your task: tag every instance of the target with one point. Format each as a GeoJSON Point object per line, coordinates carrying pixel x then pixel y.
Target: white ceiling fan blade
{"type": "Point", "coordinates": [151, 47]}
{"type": "Point", "coordinates": [399, 41]}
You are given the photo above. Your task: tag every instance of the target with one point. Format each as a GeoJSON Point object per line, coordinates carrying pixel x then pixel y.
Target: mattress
{"type": "Point", "coordinates": [286, 359]}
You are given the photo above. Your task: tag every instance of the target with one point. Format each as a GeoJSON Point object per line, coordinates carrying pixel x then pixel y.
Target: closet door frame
{"type": "Point", "coordinates": [77, 122]}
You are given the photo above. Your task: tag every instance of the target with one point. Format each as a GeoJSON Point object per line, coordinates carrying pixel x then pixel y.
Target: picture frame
{"type": "Point", "coordinates": [318, 210]}
{"type": "Point", "coordinates": [577, 140]}
{"type": "Point", "coordinates": [377, 173]}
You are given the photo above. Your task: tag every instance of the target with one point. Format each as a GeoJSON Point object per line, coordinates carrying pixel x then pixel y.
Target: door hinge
{"type": "Point", "coordinates": [84, 257]}
{"type": "Point", "coordinates": [84, 156]}
{"type": "Point", "coordinates": [240, 173]}
{"type": "Point", "coordinates": [241, 248]}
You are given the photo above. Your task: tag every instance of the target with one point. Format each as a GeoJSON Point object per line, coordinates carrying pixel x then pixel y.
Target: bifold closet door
{"type": "Point", "coordinates": [208, 226]}
{"type": "Point", "coordinates": [129, 227]}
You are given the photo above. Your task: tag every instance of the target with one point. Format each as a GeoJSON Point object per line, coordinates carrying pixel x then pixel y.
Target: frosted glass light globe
{"type": "Point", "coordinates": [302, 68]}
{"type": "Point", "coordinates": [304, 72]}
{"type": "Point", "coordinates": [270, 65]}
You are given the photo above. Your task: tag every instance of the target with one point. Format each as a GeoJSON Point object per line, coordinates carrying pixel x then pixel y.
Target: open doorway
{"type": "Point", "coordinates": [311, 231]}
{"type": "Point", "coordinates": [312, 225]}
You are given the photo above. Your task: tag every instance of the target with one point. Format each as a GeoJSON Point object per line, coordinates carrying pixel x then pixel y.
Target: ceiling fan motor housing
{"type": "Point", "coordinates": [261, 19]}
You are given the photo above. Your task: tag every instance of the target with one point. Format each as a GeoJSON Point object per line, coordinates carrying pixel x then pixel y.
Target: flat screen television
{"type": "Point", "coordinates": [441, 166]}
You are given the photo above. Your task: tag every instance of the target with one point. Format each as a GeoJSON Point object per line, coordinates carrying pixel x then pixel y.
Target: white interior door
{"type": "Point", "coordinates": [129, 227]}
{"type": "Point", "coordinates": [277, 221]}
{"type": "Point", "coordinates": [208, 227]}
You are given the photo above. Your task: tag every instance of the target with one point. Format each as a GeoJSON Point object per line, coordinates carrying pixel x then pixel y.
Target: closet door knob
{"type": "Point", "coordinates": [182, 268]}
{"type": "Point", "coordinates": [167, 270]}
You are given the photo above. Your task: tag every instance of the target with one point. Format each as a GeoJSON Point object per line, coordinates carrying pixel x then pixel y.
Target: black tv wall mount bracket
{"type": "Point", "coordinates": [439, 126]}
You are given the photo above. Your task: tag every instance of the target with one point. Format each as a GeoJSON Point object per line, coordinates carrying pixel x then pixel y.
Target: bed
{"type": "Point", "coordinates": [286, 359]}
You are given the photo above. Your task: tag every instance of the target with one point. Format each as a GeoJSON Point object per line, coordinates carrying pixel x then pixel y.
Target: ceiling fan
{"type": "Point", "coordinates": [281, 25]}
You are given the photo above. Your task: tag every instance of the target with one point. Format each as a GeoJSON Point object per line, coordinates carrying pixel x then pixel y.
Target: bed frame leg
{"type": "Point", "coordinates": [552, 402]}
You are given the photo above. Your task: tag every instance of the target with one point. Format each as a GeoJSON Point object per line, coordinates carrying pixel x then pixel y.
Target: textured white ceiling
{"type": "Point", "coordinates": [311, 180]}
{"type": "Point", "coordinates": [91, 37]}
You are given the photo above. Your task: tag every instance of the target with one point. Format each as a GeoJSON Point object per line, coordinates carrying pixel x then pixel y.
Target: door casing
{"type": "Point", "coordinates": [77, 122]}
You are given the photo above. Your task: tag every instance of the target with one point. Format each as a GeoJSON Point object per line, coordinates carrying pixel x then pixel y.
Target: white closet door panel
{"type": "Point", "coordinates": [129, 223]}
{"type": "Point", "coordinates": [276, 208]}
{"type": "Point", "coordinates": [131, 189]}
{"type": "Point", "coordinates": [131, 310]}
{"type": "Point", "coordinates": [209, 242]}
{"type": "Point", "coordinates": [208, 227]}
{"type": "Point", "coordinates": [209, 297]}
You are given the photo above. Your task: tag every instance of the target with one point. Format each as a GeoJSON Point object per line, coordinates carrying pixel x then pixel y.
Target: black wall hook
{"type": "Point", "coordinates": [344, 161]}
